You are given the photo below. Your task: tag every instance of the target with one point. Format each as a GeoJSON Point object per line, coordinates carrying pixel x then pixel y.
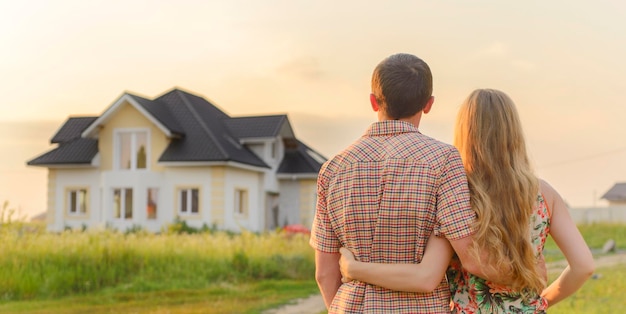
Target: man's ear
{"type": "Point", "coordinates": [429, 104]}
{"type": "Point", "coordinates": [374, 102]}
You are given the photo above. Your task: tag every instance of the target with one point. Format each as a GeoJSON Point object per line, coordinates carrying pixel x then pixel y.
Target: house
{"type": "Point", "coordinates": [616, 195]}
{"type": "Point", "coordinates": [147, 162]}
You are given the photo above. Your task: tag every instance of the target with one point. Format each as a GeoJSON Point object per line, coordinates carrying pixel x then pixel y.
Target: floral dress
{"type": "Point", "coordinates": [471, 294]}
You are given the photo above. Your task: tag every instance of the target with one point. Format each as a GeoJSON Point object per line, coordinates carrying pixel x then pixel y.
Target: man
{"type": "Point", "coordinates": [385, 195]}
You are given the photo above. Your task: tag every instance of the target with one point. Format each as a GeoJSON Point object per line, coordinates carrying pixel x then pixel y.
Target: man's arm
{"type": "Point", "coordinates": [327, 275]}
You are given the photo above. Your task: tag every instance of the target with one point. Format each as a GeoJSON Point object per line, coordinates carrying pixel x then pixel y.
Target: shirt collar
{"type": "Point", "coordinates": [390, 127]}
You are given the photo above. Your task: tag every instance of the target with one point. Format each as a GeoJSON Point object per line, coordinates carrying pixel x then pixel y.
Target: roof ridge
{"type": "Point", "coordinates": [201, 122]}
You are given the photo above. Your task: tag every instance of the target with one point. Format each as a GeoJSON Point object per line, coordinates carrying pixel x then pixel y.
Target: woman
{"type": "Point", "coordinates": [515, 213]}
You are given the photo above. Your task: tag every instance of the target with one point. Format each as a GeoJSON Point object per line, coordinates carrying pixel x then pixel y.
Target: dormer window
{"type": "Point", "coordinates": [132, 149]}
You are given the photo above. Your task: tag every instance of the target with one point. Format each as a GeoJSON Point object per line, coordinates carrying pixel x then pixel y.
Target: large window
{"type": "Point", "coordinates": [188, 201]}
{"type": "Point", "coordinates": [132, 149]}
{"type": "Point", "coordinates": [123, 203]}
{"type": "Point", "coordinates": [77, 202]}
{"type": "Point", "coordinates": [241, 202]}
{"type": "Point", "coordinates": [151, 208]}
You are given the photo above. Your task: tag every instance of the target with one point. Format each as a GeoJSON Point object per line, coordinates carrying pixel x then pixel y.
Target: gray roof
{"type": "Point", "coordinates": [616, 193]}
{"type": "Point", "coordinates": [298, 159]}
{"type": "Point", "coordinates": [160, 112]}
{"type": "Point", "coordinates": [206, 136]}
{"type": "Point", "coordinates": [250, 127]}
{"type": "Point", "coordinates": [72, 129]}
{"type": "Point", "coordinates": [202, 132]}
{"type": "Point", "coordinates": [80, 151]}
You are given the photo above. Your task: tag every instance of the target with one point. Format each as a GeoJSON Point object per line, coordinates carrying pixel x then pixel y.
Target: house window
{"type": "Point", "coordinates": [188, 201]}
{"type": "Point", "coordinates": [132, 150]}
{"type": "Point", "coordinates": [241, 202]}
{"type": "Point", "coordinates": [273, 149]}
{"type": "Point", "coordinates": [152, 199]}
{"type": "Point", "coordinates": [123, 203]}
{"type": "Point", "coordinates": [77, 202]}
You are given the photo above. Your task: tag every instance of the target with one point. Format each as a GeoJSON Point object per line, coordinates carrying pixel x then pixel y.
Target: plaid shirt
{"type": "Point", "coordinates": [382, 198]}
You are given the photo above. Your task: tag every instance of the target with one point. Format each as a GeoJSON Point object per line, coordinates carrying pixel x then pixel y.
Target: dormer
{"type": "Point", "coordinates": [265, 136]}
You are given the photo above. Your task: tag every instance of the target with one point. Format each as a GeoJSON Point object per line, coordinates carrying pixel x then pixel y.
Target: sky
{"type": "Point", "coordinates": [562, 62]}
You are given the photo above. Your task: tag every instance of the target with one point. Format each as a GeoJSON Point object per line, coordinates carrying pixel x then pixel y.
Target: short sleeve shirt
{"type": "Point", "coordinates": [382, 198]}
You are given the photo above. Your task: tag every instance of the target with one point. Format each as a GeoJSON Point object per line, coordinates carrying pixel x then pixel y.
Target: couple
{"type": "Point", "coordinates": [397, 211]}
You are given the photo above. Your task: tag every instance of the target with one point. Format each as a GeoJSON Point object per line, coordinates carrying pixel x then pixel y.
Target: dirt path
{"type": "Point", "coordinates": [315, 304]}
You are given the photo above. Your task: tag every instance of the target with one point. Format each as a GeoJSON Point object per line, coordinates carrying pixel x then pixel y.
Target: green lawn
{"type": "Point", "coordinates": [224, 298]}
{"type": "Point", "coordinates": [602, 295]}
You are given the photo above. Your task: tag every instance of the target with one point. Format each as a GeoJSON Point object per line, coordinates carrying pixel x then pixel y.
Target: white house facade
{"type": "Point", "coordinates": [145, 163]}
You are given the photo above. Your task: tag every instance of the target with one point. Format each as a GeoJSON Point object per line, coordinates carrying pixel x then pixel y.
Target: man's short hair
{"type": "Point", "coordinates": [402, 85]}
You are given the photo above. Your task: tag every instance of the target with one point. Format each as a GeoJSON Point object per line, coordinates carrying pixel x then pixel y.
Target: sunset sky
{"type": "Point", "coordinates": [562, 62]}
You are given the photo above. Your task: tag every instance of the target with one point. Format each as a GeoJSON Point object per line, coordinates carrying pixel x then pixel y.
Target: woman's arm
{"type": "Point", "coordinates": [422, 277]}
{"type": "Point", "coordinates": [569, 240]}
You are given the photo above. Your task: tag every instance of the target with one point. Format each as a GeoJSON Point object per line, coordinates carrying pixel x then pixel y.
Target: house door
{"type": "Point", "coordinates": [272, 211]}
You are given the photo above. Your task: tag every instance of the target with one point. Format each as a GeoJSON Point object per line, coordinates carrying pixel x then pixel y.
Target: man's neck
{"type": "Point", "coordinates": [414, 119]}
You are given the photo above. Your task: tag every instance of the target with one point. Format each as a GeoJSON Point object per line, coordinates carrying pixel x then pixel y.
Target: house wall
{"type": "Point", "coordinates": [127, 117]}
{"type": "Point", "coordinates": [250, 181]}
{"type": "Point", "coordinates": [59, 183]}
{"type": "Point", "coordinates": [264, 149]}
{"type": "Point", "coordinates": [308, 200]}
{"type": "Point", "coordinates": [216, 186]}
{"type": "Point", "coordinates": [139, 183]}
{"type": "Point", "coordinates": [218, 210]}
{"type": "Point", "coordinates": [52, 221]}
{"type": "Point", "coordinates": [289, 204]}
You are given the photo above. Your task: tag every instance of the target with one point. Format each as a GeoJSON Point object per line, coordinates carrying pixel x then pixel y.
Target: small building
{"type": "Point", "coordinates": [616, 195]}
{"type": "Point", "coordinates": [147, 162]}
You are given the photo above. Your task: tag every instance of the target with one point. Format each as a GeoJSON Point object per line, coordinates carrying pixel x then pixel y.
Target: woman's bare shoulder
{"type": "Point", "coordinates": [550, 195]}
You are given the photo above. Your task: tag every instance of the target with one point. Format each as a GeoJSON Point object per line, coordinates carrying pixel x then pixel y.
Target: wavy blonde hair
{"type": "Point", "coordinates": [503, 186]}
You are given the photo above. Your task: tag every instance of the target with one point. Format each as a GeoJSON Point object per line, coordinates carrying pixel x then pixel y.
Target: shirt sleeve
{"type": "Point", "coordinates": [454, 213]}
{"type": "Point", "coordinates": [323, 237]}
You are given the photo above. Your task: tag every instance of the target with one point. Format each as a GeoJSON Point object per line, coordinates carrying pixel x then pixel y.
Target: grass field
{"type": "Point", "coordinates": [211, 272]}
{"type": "Point", "coordinates": [221, 298]}
{"type": "Point", "coordinates": [602, 295]}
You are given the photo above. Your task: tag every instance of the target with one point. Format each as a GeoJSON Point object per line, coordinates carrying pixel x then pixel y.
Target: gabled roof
{"type": "Point", "coordinates": [71, 129]}
{"type": "Point", "coordinates": [616, 193]}
{"type": "Point", "coordinates": [300, 159]}
{"type": "Point", "coordinates": [153, 111]}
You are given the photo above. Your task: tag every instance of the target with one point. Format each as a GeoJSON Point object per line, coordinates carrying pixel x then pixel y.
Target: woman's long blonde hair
{"type": "Point", "coordinates": [503, 186]}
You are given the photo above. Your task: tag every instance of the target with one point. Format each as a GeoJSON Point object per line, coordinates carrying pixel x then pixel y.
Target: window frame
{"type": "Point", "coordinates": [123, 202]}
{"type": "Point", "coordinates": [241, 202]}
{"type": "Point", "coordinates": [155, 199]}
{"type": "Point", "coordinates": [117, 148]}
{"type": "Point", "coordinates": [188, 199]}
{"type": "Point", "coordinates": [68, 201]}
